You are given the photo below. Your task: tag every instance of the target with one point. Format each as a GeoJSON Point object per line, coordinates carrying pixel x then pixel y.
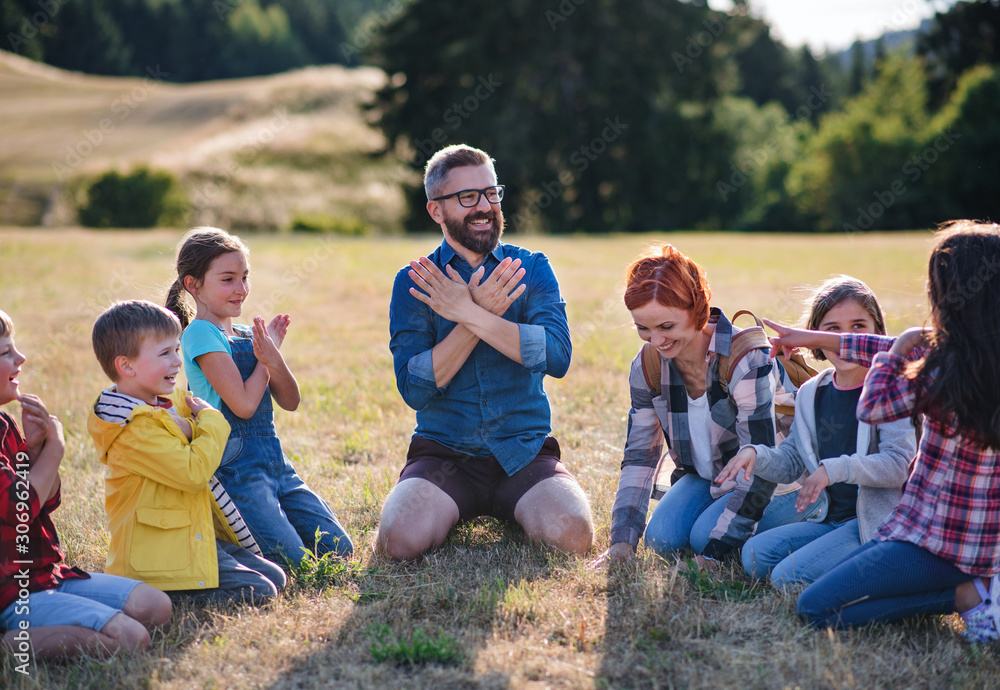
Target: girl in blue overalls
{"type": "Point", "coordinates": [238, 370]}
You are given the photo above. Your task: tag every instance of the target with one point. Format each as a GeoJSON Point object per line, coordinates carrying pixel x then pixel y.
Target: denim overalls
{"type": "Point", "coordinates": [281, 511]}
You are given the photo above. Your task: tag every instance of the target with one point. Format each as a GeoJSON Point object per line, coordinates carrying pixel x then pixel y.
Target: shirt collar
{"type": "Point", "coordinates": [447, 253]}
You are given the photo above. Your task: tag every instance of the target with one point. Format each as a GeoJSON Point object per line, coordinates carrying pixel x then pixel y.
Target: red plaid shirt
{"type": "Point", "coordinates": [951, 503]}
{"type": "Point", "coordinates": [39, 562]}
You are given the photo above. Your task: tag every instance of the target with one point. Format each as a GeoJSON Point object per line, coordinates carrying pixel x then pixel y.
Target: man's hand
{"type": "Point", "coordinates": [448, 296]}
{"type": "Point", "coordinates": [744, 460]}
{"type": "Point", "coordinates": [500, 290]}
{"type": "Point", "coordinates": [35, 423]}
{"type": "Point", "coordinates": [814, 483]}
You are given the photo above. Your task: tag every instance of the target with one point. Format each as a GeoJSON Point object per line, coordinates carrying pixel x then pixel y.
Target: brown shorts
{"type": "Point", "coordinates": [477, 483]}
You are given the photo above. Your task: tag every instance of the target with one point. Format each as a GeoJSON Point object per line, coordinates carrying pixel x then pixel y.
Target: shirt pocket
{"type": "Point", "coordinates": [161, 540]}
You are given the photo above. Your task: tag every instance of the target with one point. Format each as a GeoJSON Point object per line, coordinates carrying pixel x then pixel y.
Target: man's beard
{"type": "Point", "coordinates": [476, 241]}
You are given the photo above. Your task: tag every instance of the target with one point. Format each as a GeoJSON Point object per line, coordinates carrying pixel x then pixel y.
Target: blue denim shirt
{"type": "Point", "coordinates": [493, 406]}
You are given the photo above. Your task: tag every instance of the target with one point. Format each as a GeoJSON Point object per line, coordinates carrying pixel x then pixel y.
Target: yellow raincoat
{"type": "Point", "coordinates": [163, 517]}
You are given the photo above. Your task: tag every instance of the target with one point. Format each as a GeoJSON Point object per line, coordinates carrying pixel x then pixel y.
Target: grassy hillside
{"type": "Point", "coordinates": [251, 153]}
{"type": "Point", "coordinates": [516, 618]}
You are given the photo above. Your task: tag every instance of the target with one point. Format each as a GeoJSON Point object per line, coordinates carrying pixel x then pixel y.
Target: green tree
{"type": "Point", "coordinates": [968, 34]}
{"type": "Point", "coordinates": [622, 137]}
{"type": "Point", "coordinates": [960, 155]}
{"type": "Point", "coordinates": [851, 174]}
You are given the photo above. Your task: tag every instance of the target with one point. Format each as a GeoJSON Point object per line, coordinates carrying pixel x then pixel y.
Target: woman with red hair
{"type": "Point", "coordinates": [703, 424]}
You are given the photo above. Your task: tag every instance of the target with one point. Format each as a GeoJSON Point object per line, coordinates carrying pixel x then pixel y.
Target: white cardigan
{"type": "Point", "coordinates": [879, 468]}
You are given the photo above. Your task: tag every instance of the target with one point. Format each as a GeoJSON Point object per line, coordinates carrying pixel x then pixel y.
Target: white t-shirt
{"type": "Point", "coordinates": [699, 420]}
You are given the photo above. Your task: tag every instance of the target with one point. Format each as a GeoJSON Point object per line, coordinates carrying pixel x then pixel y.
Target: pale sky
{"type": "Point", "coordinates": [835, 24]}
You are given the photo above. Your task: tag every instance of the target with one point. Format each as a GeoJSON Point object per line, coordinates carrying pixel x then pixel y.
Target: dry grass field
{"type": "Point", "coordinates": [485, 610]}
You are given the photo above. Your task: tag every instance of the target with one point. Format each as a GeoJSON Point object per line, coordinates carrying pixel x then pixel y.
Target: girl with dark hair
{"type": "Point", "coordinates": [939, 550]}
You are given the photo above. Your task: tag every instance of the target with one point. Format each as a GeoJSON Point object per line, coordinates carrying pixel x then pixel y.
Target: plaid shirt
{"type": "Point", "coordinates": [743, 417]}
{"type": "Point", "coordinates": [951, 504]}
{"type": "Point", "coordinates": [39, 563]}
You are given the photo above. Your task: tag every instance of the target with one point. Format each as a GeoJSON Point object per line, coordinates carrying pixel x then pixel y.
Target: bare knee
{"type": "Point", "coordinates": [401, 544]}
{"type": "Point", "coordinates": [148, 605]}
{"type": "Point", "coordinates": [556, 513]}
{"type": "Point", "coordinates": [125, 633]}
{"type": "Point", "coordinates": [416, 517]}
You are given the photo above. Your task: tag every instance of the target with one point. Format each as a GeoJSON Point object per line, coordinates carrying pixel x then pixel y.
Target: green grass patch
{"type": "Point", "coordinates": [417, 649]}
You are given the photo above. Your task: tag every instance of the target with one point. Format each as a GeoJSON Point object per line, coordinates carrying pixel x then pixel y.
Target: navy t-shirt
{"type": "Point", "coordinates": [837, 434]}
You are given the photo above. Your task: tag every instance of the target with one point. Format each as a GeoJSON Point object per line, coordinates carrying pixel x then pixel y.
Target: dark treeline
{"type": "Point", "coordinates": [606, 115]}
{"type": "Point", "coordinates": [191, 40]}
{"type": "Point", "coordinates": [659, 114]}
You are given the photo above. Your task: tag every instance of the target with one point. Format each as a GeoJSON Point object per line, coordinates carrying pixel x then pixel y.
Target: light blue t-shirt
{"type": "Point", "coordinates": [201, 337]}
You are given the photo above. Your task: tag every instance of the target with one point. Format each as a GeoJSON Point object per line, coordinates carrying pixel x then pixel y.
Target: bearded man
{"type": "Point", "coordinates": [474, 329]}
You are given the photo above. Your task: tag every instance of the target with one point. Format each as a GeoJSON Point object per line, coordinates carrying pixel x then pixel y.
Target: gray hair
{"type": "Point", "coordinates": [448, 158]}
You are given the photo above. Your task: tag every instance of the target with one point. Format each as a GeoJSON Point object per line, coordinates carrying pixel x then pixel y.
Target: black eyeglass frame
{"type": "Point", "coordinates": [480, 193]}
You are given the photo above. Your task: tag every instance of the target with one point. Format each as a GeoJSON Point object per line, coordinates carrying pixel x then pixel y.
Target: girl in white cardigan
{"type": "Point", "coordinates": [856, 469]}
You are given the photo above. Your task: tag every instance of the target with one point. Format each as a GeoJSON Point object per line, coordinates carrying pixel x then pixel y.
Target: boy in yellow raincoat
{"type": "Point", "coordinates": [161, 448]}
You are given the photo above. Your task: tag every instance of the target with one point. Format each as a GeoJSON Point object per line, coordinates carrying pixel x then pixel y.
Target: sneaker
{"type": "Point", "coordinates": [982, 622]}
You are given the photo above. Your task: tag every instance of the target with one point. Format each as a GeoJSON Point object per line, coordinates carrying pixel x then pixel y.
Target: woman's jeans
{"type": "Point", "coordinates": [882, 581]}
{"type": "Point", "coordinates": [687, 514]}
{"type": "Point", "coordinates": [799, 553]}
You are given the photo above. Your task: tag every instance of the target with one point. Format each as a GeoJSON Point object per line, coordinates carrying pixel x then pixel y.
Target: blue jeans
{"type": "Point", "coordinates": [88, 603]}
{"type": "Point", "coordinates": [244, 577]}
{"type": "Point", "coordinates": [880, 582]}
{"type": "Point", "coordinates": [280, 509]}
{"type": "Point", "coordinates": [799, 553]}
{"type": "Point", "coordinates": [687, 514]}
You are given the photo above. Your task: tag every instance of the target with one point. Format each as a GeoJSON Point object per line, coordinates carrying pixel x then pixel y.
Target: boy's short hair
{"type": "Point", "coordinates": [119, 330]}
{"type": "Point", "coordinates": [6, 325]}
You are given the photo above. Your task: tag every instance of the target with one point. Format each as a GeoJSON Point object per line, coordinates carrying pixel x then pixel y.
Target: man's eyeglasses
{"type": "Point", "coordinates": [469, 198]}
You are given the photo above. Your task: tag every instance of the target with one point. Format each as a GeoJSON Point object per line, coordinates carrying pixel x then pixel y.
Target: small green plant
{"type": "Point", "coordinates": [333, 225]}
{"type": "Point", "coordinates": [141, 199]}
{"type": "Point", "coordinates": [708, 586]}
{"type": "Point", "coordinates": [417, 650]}
{"type": "Point", "coordinates": [325, 570]}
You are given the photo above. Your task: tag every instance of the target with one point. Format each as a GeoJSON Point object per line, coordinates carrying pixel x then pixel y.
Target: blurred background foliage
{"type": "Point", "coordinates": [607, 115]}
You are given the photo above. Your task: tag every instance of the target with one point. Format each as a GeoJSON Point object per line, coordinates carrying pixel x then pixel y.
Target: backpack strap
{"type": "Point", "coordinates": [750, 338]}
{"type": "Point", "coordinates": [652, 367]}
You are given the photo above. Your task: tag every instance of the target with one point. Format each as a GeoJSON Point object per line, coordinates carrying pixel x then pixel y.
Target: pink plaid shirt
{"type": "Point", "coordinates": [951, 503]}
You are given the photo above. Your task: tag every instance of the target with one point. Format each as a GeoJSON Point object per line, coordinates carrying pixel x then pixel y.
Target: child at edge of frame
{"type": "Point", "coordinates": [49, 609]}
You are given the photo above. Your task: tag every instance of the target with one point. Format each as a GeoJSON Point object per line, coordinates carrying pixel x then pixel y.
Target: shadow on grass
{"type": "Point", "coordinates": [187, 627]}
{"type": "Point", "coordinates": [423, 624]}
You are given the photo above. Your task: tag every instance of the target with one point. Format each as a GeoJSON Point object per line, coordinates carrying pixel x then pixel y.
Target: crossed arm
{"type": "Point", "coordinates": [477, 307]}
